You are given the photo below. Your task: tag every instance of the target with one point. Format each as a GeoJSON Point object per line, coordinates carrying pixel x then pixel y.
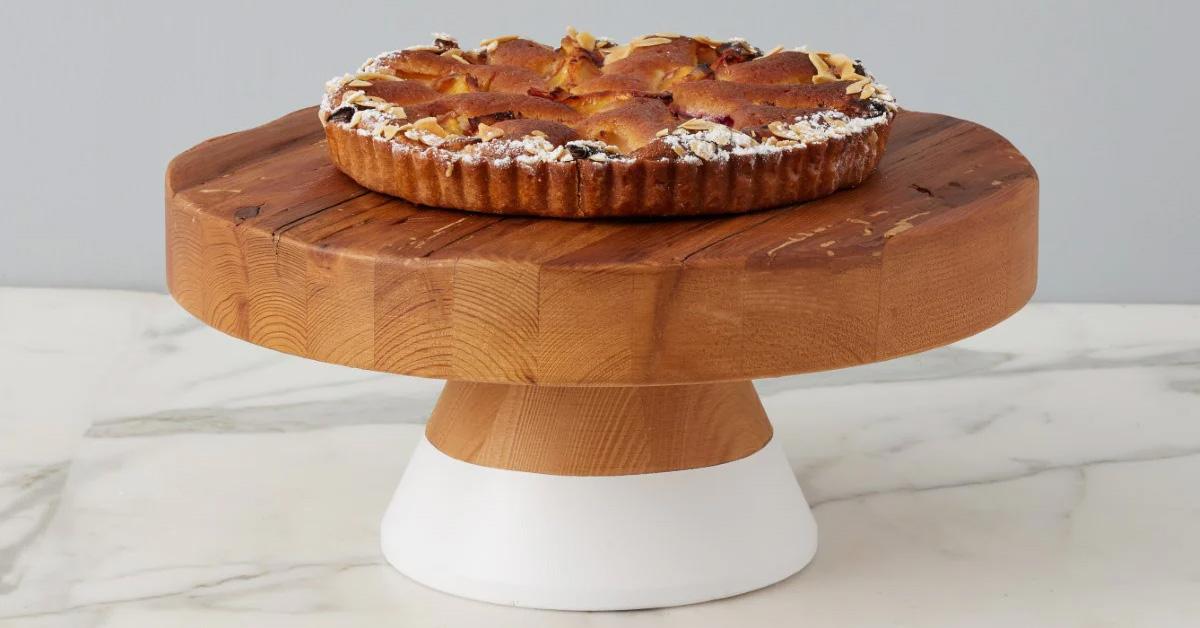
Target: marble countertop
{"type": "Point", "coordinates": [154, 472]}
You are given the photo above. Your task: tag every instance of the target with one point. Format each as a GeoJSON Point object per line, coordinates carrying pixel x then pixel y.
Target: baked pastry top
{"type": "Point", "coordinates": [662, 125]}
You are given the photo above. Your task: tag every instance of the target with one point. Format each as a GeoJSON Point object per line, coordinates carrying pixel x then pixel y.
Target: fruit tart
{"type": "Point", "coordinates": [664, 125]}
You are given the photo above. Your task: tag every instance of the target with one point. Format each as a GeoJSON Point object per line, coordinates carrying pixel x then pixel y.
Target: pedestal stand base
{"type": "Point", "coordinates": [598, 542]}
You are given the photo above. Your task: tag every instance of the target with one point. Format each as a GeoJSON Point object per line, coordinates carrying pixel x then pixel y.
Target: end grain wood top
{"type": "Point", "coordinates": [268, 242]}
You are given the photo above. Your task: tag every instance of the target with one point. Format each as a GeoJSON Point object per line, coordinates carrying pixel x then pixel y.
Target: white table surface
{"type": "Point", "coordinates": [154, 472]}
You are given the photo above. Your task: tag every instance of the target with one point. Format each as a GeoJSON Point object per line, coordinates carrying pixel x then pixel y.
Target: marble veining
{"type": "Point", "coordinates": [154, 472]}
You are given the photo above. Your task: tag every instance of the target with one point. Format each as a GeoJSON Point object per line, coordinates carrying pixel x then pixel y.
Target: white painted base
{"type": "Point", "coordinates": [598, 543]}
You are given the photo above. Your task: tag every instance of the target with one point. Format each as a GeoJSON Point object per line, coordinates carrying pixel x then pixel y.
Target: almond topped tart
{"type": "Point", "coordinates": [664, 125]}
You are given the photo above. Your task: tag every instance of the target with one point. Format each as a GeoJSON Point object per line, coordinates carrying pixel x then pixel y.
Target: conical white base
{"type": "Point", "coordinates": [598, 543]}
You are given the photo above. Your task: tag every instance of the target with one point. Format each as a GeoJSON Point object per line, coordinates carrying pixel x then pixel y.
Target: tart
{"type": "Point", "coordinates": [664, 125]}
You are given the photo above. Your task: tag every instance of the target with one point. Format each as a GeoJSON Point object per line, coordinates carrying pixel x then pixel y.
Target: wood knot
{"type": "Point", "coordinates": [245, 213]}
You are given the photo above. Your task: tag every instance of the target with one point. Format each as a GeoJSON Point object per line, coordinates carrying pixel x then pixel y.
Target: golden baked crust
{"type": "Point", "coordinates": [664, 125]}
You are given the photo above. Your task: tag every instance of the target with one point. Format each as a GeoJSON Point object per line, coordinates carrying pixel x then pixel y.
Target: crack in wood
{"type": "Point", "coordinates": [277, 232]}
{"type": "Point", "coordinates": [446, 244]}
{"type": "Point", "coordinates": [746, 229]}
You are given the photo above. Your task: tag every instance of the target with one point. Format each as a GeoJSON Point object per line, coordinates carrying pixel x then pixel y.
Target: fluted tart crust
{"type": "Point", "coordinates": [664, 125]}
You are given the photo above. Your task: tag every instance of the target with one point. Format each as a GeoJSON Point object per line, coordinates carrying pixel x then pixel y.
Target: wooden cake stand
{"type": "Point", "coordinates": [599, 444]}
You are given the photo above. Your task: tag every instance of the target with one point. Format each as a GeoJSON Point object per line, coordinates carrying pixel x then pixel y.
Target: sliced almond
{"type": "Point", "coordinates": [779, 129]}
{"type": "Point", "coordinates": [698, 124]}
{"type": "Point", "coordinates": [823, 75]}
{"type": "Point", "coordinates": [678, 150]}
{"type": "Point", "coordinates": [704, 150]}
{"type": "Point", "coordinates": [802, 129]}
{"type": "Point", "coordinates": [708, 41]}
{"type": "Point", "coordinates": [616, 53]}
{"type": "Point", "coordinates": [662, 132]}
{"type": "Point", "coordinates": [488, 133]}
{"type": "Point", "coordinates": [390, 131]}
{"type": "Point", "coordinates": [430, 125]}
{"type": "Point", "coordinates": [456, 54]}
{"type": "Point", "coordinates": [358, 83]}
{"type": "Point", "coordinates": [397, 111]}
{"type": "Point", "coordinates": [818, 62]}
{"type": "Point", "coordinates": [377, 76]}
{"type": "Point", "coordinates": [839, 60]}
{"type": "Point", "coordinates": [774, 50]}
{"type": "Point", "coordinates": [867, 92]}
{"type": "Point", "coordinates": [721, 135]}
{"type": "Point", "coordinates": [355, 119]}
{"type": "Point", "coordinates": [497, 40]}
{"type": "Point", "coordinates": [353, 96]}
{"type": "Point", "coordinates": [537, 133]}
{"type": "Point", "coordinates": [649, 41]}
{"type": "Point", "coordinates": [857, 86]}
{"type": "Point", "coordinates": [586, 40]}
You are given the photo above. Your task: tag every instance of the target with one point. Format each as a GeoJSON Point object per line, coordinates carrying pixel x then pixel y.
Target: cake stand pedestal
{"type": "Point", "coordinates": [599, 444]}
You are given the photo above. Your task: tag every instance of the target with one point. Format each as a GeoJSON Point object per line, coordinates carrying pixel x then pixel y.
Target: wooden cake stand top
{"type": "Point", "coordinates": [267, 241]}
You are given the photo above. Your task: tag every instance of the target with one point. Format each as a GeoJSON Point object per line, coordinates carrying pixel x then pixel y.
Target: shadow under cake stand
{"type": "Point", "coordinates": [599, 444]}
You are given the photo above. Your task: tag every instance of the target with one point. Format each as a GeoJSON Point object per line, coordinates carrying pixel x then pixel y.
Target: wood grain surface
{"type": "Point", "coordinates": [267, 241]}
{"type": "Point", "coordinates": [598, 430]}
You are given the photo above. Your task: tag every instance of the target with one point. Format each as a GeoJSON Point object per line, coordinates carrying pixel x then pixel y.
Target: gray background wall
{"type": "Point", "coordinates": [97, 97]}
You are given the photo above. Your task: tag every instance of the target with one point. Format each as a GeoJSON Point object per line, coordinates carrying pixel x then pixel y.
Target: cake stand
{"type": "Point", "coordinates": [599, 444]}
